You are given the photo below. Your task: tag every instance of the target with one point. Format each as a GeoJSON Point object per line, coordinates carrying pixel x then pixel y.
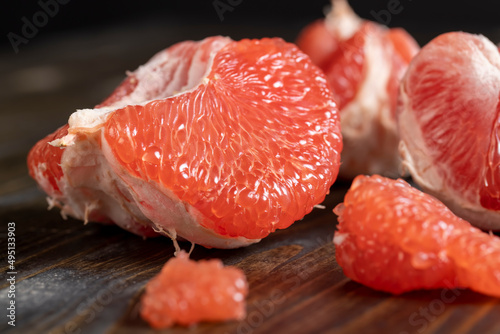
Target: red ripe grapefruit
{"type": "Point", "coordinates": [395, 238]}
{"type": "Point", "coordinates": [363, 62]}
{"type": "Point", "coordinates": [448, 122]}
{"type": "Point", "coordinates": [218, 142]}
{"type": "Point", "coordinates": [186, 292]}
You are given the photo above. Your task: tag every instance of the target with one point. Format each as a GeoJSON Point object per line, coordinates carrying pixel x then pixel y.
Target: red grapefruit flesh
{"type": "Point", "coordinates": [312, 41]}
{"type": "Point", "coordinates": [218, 142]}
{"type": "Point", "coordinates": [364, 62]}
{"type": "Point", "coordinates": [186, 292]}
{"type": "Point", "coordinates": [48, 159]}
{"type": "Point", "coordinates": [395, 238]}
{"type": "Point", "coordinates": [448, 122]}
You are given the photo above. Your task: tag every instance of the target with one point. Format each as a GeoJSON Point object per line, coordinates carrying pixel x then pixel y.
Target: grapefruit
{"type": "Point", "coordinates": [363, 62]}
{"type": "Point", "coordinates": [395, 238]}
{"type": "Point", "coordinates": [218, 142]}
{"type": "Point", "coordinates": [186, 292]}
{"type": "Point", "coordinates": [448, 122]}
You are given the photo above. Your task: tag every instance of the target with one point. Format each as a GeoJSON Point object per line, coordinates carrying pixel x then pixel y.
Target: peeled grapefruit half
{"type": "Point", "coordinates": [363, 62]}
{"type": "Point", "coordinates": [449, 124]}
{"type": "Point", "coordinates": [218, 142]}
{"type": "Point", "coordinates": [395, 238]}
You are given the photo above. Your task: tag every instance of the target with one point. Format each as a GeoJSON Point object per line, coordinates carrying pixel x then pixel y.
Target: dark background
{"type": "Point", "coordinates": [82, 51]}
{"type": "Point", "coordinates": [421, 17]}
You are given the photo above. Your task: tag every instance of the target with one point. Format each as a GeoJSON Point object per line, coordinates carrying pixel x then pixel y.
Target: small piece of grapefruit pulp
{"type": "Point", "coordinates": [395, 238]}
{"type": "Point", "coordinates": [219, 142]}
{"type": "Point", "coordinates": [186, 292]}
{"type": "Point", "coordinates": [448, 123]}
{"type": "Point", "coordinates": [364, 62]}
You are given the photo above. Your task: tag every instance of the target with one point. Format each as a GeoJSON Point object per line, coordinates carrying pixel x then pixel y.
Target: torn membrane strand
{"type": "Point", "coordinates": [172, 234]}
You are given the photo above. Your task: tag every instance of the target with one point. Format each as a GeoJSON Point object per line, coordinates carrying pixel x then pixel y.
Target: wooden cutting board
{"type": "Point", "coordinates": [72, 278]}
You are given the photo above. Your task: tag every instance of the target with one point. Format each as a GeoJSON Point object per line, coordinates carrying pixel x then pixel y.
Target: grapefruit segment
{"type": "Point", "coordinates": [218, 142]}
{"type": "Point", "coordinates": [47, 159]}
{"type": "Point", "coordinates": [447, 123]}
{"type": "Point", "coordinates": [395, 238]}
{"type": "Point", "coordinates": [364, 62]}
{"type": "Point", "coordinates": [404, 45]}
{"type": "Point", "coordinates": [186, 292]}
{"type": "Point", "coordinates": [312, 41]}
{"type": "Point", "coordinates": [346, 69]}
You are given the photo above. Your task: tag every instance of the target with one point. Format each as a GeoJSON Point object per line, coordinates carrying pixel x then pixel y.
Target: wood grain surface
{"type": "Point", "coordinates": [75, 278]}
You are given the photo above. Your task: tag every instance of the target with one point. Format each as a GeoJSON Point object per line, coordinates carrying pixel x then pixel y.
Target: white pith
{"type": "Point", "coordinates": [93, 181]}
{"type": "Point", "coordinates": [342, 21]}
{"type": "Point", "coordinates": [367, 125]}
{"type": "Point", "coordinates": [168, 215]}
{"type": "Point", "coordinates": [368, 128]}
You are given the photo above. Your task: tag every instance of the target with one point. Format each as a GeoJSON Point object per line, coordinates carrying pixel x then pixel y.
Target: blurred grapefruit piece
{"type": "Point", "coordinates": [395, 238]}
{"type": "Point", "coordinates": [449, 125]}
{"type": "Point", "coordinates": [217, 142]}
{"type": "Point", "coordinates": [186, 292]}
{"type": "Point", "coordinates": [363, 62]}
